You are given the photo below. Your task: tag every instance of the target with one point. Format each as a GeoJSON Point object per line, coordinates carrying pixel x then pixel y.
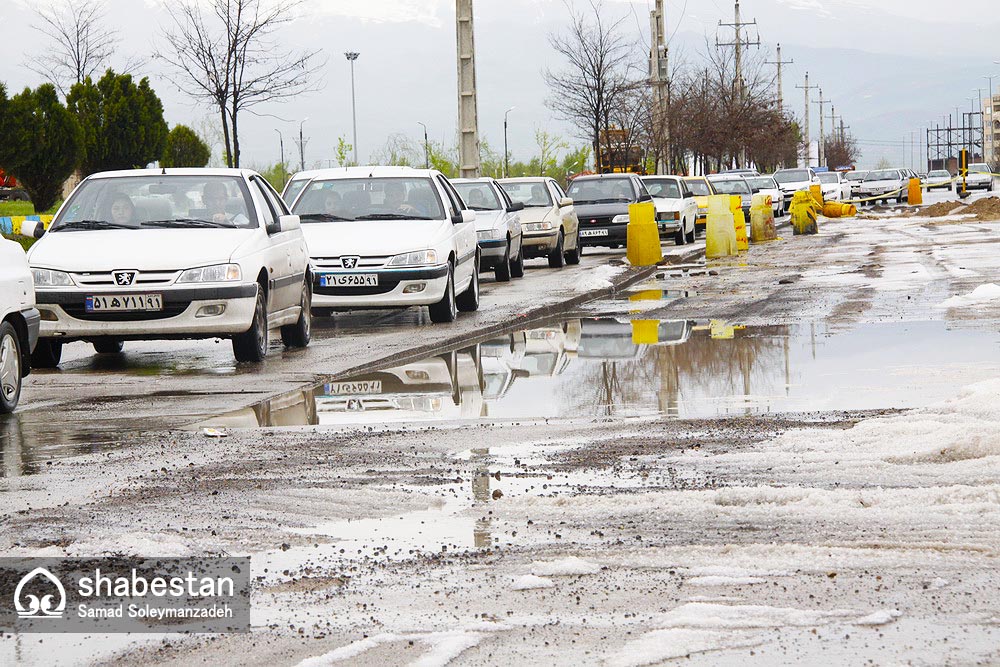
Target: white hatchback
{"type": "Point", "coordinates": [173, 253]}
{"type": "Point", "coordinates": [390, 237]}
{"type": "Point", "coordinates": [676, 208]}
{"type": "Point", "coordinates": [18, 323]}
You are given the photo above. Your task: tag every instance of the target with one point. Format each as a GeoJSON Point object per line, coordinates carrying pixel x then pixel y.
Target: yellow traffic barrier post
{"type": "Point", "coordinates": [915, 197]}
{"type": "Point", "coordinates": [762, 219]}
{"type": "Point", "coordinates": [817, 193]}
{"type": "Point", "coordinates": [643, 245]}
{"type": "Point", "coordinates": [645, 332]}
{"type": "Point", "coordinates": [720, 228]}
{"type": "Point", "coordinates": [805, 213]}
{"type": "Point", "coordinates": [739, 223]}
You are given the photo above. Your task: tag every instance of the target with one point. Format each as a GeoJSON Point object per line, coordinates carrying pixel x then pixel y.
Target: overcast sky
{"type": "Point", "coordinates": [891, 66]}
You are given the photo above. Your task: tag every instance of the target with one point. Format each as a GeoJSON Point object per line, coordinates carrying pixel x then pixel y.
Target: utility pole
{"type": "Point", "coordinates": [808, 140]}
{"type": "Point", "coordinates": [506, 151]}
{"type": "Point", "coordinates": [779, 62]}
{"type": "Point", "coordinates": [822, 132]}
{"type": "Point", "coordinates": [659, 78]}
{"type": "Point", "coordinates": [302, 146]}
{"type": "Point", "coordinates": [468, 112]}
{"type": "Point", "coordinates": [281, 139]}
{"type": "Point", "coordinates": [427, 147]}
{"type": "Point", "coordinates": [738, 43]}
{"type": "Point", "coordinates": [353, 56]}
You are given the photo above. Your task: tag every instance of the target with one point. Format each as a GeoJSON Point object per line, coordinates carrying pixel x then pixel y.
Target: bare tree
{"type": "Point", "coordinates": [79, 43]}
{"type": "Point", "coordinates": [225, 54]}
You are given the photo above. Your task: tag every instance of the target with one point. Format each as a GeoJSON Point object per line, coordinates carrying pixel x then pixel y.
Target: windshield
{"type": "Point", "coordinates": [601, 190]}
{"type": "Point", "coordinates": [791, 176]}
{"type": "Point", "coordinates": [979, 168]}
{"type": "Point", "coordinates": [369, 199]}
{"type": "Point", "coordinates": [667, 188]}
{"type": "Point", "coordinates": [828, 177]}
{"type": "Point", "coordinates": [479, 196]}
{"type": "Point", "coordinates": [533, 194]}
{"type": "Point", "coordinates": [732, 187]}
{"type": "Point", "coordinates": [158, 201]}
{"type": "Point", "coordinates": [762, 183]}
{"type": "Point", "coordinates": [939, 173]}
{"type": "Point", "coordinates": [700, 188]}
{"type": "Point", "coordinates": [856, 175]}
{"type": "Point", "coordinates": [883, 175]}
{"type": "Point", "coordinates": [293, 189]}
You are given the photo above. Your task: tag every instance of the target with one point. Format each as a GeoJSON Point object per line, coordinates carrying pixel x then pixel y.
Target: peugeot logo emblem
{"type": "Point", "coordinates": [124, 278]}
{"type": "Point", "coordinates": [350, 262]}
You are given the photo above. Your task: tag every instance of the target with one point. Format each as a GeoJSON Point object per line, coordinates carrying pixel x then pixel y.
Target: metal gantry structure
{"type": "Point", "coordinates": [468, 110]}
{"type": "Point", "coordinates": [945, 143]}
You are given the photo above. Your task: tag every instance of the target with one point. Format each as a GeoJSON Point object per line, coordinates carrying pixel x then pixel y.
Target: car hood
{"type": "Point", "coordinates": [881, 184]}
{"type": "Point", "coordinates": [486, 220]}
{"type": "Point", "coordinates": [374, 238]}
{"type": "Point", "coordinates": [668, 204]}
{"type": "Point", "coordinates": [145, 250]}
{"type": "Point", "coordinates": [795, 185]}
{"type": "Point", "coordinates": [535, 214]}
{"type": "Point", "coordinates": [601, 210]}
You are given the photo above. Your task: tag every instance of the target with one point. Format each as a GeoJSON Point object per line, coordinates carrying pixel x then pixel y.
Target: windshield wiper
{"type": "Point", "coordinates": [483, 208]}
{"type": "Point", "coordinates": [92, 224]}
{"type": "Point", "coordinates": [610, 200]}
{"type": "Point", "coordinates": [187, 222]}
{"type": "Point", "coordinates": [392, 216]}
{"type": "Point", "coordinates": [323, 217]}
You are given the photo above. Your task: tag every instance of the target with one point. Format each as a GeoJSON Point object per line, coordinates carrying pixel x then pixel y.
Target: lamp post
{"type": "Point", "coordinates": [506, 153]}
{"type": "Point", "coordinates": [302, 146]}
{"type": "Point", "coordinates": [427, 147]}
{"type": "Point", "coordinates": [351, 57]}
{"type": "Point", "coordinates": [281, 139]}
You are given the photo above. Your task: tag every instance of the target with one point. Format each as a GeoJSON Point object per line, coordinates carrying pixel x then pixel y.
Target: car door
{"type": "Point", "coordinates": [511, 218]}
{"type": "Point", "coordinates": [283, 252]}
{"type": "Point", "coordinates": [464, 238]}
{"type": "Point", "coordinates": [690, 204]}
{"type": "Point", "coordinates": [567, 214]}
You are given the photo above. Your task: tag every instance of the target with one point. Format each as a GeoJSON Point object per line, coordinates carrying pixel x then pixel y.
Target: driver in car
{"type": "Point", "coordinates": [395, 196]}
{"type": "Point", "coordinates": [216, 196]}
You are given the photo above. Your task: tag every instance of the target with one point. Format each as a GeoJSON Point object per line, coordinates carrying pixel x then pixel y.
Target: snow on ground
{"type": "Point", "coordinates": [981, 295]}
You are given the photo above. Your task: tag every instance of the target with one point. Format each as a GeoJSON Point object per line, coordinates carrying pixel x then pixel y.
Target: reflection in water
{"type": "Point", "coordinates": [28, 441]}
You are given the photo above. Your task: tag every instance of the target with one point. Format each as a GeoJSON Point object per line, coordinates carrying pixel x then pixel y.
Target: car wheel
{"type": "Point", "coordinates": [680, 238]}
{"type": "Point", "coordinates": [691, 235]}
{"type": "Point", "coordinates": [10, 368]}
{"type": "Point", "coordinates": [502, 269]}
{"type": "Point", "coordinates": [573, 256]}
{"type": "Point", "coordinates": [251, 346]}
{"type": "Point", "coordinates": [47, 354]}
{"type": "Point", "coordinates": [446, 309]}
{"type": "Point", "coordinates": [517, 265]}
{"type": "Point", "coordinates": [557, 258]}
{"type": "Point", "coordinates": [108, 346]}
{"type": "Point", "coordinates": [468, 301]}
{"type": "Point", "coordinates": [300, 333]}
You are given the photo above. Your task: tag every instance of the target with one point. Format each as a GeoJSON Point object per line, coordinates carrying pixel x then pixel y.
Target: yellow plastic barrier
{"type": "Point", "coordinates": [643, 247]}
{"type": "Point", "coordinates": [720, 228]}
{"type": "Point", "coordinates": [804, 214]}
{"type": "Point", "coordinates": [647, 295]}
{"type": "Point", "coordinates": [645, 332]}
{"type": "Point", "coordinates": [817, 193]}
{"type": "Point", "coordinates": [915, 197]}
{"type": "Point", "coordinates": [739, 223]}
{"type": "Point", "coordinates": [836, 209]}
{"type": "Point", "coordinates": [762, 219]}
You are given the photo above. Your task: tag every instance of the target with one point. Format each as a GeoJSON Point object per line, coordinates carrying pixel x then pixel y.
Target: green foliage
{"type": "Point", "coordinates": [184, 148]}
{"type": "Point", "coordinates": [399, 151]}
{"type": "Point", "coordinates": [276, 175]}
{"type": "Point", "coordinates": [18, 208]}
{"type": "Point", "coordinates": [343, 151]}
{"type": "Point", "coordinates": [42, 142]}
{"type": "Point", "coordinates": [444, 159]}
{"type": "Point", "coordinates": [122, 122]}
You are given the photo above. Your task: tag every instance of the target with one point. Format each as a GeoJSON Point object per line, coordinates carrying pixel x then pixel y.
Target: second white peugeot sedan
{"type": "Point", "coordinates": [498, 225]}
{"type": "Point", "coordinates": [18, 323]}
{"type": "Point", "coordinates": [390, 237]}
{"type": "Point", "coordinates": [173, 253]}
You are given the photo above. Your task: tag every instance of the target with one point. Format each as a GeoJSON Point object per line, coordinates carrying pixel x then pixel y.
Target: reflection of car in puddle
{"type": "Point", "coordinates": [501, 360]}
{"type": "Point", "coordinates": [549, 350]}
{"type": "Point", "coordinates": [611, 338]}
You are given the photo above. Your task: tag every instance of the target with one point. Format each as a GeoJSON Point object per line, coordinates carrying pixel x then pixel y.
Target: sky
{"type": "Point", "coordinates": [891, 67]}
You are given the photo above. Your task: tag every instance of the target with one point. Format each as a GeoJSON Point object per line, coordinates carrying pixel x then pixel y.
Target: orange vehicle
{"type": "Point", "coordinates": [9, 190]}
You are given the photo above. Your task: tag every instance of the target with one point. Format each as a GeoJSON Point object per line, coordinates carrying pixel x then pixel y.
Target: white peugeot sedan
{"type": "Point", "coordinates": [498, 225]}
{"type": "Point", "coordinates": [676, 207]}
{"type": "Point", "coordinates": [767, 186]}
{"type": "Point", "coordinates": [885, 184]}
{"type": "Point", "coordinates": [980, 177]}
{"type": "Point", "coordinates": [835, 186]}
{"type": "Point", "coordinates": [794, 180]}
{"type": "Point", "coordinates": [390, 237]}
{"type": "Point", "coordinates": [174, 253]}
{"type": "Point", "coordinates": [549, 221]}
{"type": "Point", "coordinates": [18, 323]}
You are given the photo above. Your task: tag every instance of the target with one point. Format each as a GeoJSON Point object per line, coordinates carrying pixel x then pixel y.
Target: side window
{"type": "Point", "coordinates": [640, 187]}
{"type": "Point", "coordinates": [558, 190]}
{"type": "Point", "coordinates": [505, 199]}
{"type": "Point", "coordinates": [456, 202]}
{"type": "Point", "coordinates": [264, 202]}
{"type": "Point", "coordinates": [280, 208]}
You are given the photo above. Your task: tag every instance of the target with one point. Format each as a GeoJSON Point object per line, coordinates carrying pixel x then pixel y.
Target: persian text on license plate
{"type": "Point", "coordinates": [593, 232]}
{"type": "Point", "coordinates": [353, 388]}
{"type": "Point", "coordinates": [124, 303]}
{"type": "Point", "coordinates": [349, 280]}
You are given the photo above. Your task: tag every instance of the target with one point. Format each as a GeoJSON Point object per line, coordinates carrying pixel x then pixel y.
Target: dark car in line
{"type": "Point", "coordinates": [602, 202]}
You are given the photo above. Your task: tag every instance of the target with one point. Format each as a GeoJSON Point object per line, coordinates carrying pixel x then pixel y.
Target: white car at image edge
{"type": "Point", "coordinates": [19, 322]}
{"type": "Point", "coordinates": [152, 254]}
{"type": "Point", "coordinates": [676, 208]}
{"type": "Point", "coordinates": [390, 237]}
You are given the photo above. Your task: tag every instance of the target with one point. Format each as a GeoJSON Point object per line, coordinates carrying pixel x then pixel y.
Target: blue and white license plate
{"type": "Point", "coordinates": [359, 388]}
{"type": "Point", "coordinates": [593, 232]}
{"type": "Point", "coordinates": [348, 280]}
{"type": "Point", "coordinates": [135, 303]}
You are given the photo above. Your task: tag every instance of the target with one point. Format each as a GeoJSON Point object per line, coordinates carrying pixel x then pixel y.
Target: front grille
{"type": "Point", "coordinates": [79, 311]}
{"type": "Point", "coordinates": [382, 288]}
{"type": "Point", "coordinates": [105, 278]}
{"type": "Point", "coordinates": [602, 222]}
{"type": "Point", "coordinates": [330, 263]}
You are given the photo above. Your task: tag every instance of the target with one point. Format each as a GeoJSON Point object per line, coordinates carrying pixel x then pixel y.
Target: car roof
{"type": "Point", "coordinates": [649, 177]}
{"type": "Point", "coordinates": [180, 171]}
{"type": "Point", "coordinates": [597, 177]}
{"type": "Point", "coordinates": [373, 172]}
{"type": "Point", "coordinates": [695, 178]}
{"type": "Point", "coordinates": [483, 179]}
{"type": "Point", "coordinates": [525, 179]}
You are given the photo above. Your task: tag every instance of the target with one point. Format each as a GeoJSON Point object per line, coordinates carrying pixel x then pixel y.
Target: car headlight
{"type": "Point", "coordinates": [620, 219]}
{"type": "Point", "coordinates": [218, 273]}
{"type": "Point", "coordinates": [418, 258]}
{"type": "Point", "coordinates": [537, 226]}
{"type": "Point", "coordinates": [49, 278]}
{"type": "Point", "coordinates": [490, 234]}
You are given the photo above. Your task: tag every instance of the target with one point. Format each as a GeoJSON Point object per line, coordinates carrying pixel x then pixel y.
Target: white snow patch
{"type": "Point", "coordinates": [352, 650]}
{"type": "Point", "coordinates": [725, 581]}
{"type": "Point", "coordinates": [724, 617]}
{"type": "Point", "coordinates": [882, 617]}
{"type": "Point", "coordinates": [530, 582]}
{"type": "Point", "coordinates": [711, 598]}
{"type": "Point", "coordinates": [938, 583]}
{"type": "Point", "coordinates": [655, 647]}
{"type": "Point", "coordinates": [446, 646]}
{"type": "Point", "coordinates": [977, 297]}
{"type": "Point", "coordinates": [565, 567]}
{"type": "Point", "coordinates": [599, 277]}
{"type": "Point", "coordinates": [131, 544]}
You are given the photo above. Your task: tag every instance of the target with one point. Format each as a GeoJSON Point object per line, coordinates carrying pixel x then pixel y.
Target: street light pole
{"type": "Point", "coordinates": [302, 146]}
{"type": "Point", "coordinates": [281, 139]}
{"type": "Point", "coordinates": [427, 147]}
{"type": "Point", "coordinates": [352, 56]}
{"type": "Point", "coordinates": [506, 153]}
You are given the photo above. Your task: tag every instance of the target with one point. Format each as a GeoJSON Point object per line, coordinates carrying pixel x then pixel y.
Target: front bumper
{"type": "Point", "coordinates": [491, 253]}
{"type": "Point", "coordinates": [33, 319]}
{"type": "Point", "coordinates": [64, 315]}
{"type": "Point", "coordinates": [390, 291]}
{"type": "Point", "coordinates": [539, 244]}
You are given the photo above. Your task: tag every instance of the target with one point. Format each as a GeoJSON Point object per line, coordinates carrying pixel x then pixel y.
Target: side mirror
{"type": "Point", "coordinates": [565, 201]}
{"type": "Point", "coordinates": [516, 206]}
{"type": "Point", "coordinates": [645, 197]}
{"type": "Point", "coordinates": [465, 216]}
{"type": "Point", "coordinates": [289, 223]}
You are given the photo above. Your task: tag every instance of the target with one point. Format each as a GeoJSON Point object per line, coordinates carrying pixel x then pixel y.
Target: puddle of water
{"type": "Point", "coordinates": [617, 366]}
{"type": "Point", "coordinates": [27, 445]}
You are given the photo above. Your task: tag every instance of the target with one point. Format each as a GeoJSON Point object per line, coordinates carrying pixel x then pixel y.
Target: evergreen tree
{"type": "Point", "coordinates": [184, 148]}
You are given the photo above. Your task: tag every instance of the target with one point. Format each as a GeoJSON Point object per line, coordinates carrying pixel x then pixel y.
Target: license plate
{"type": "Point", "coordinates": [124, 303]}
{"type": "Point", "coordinates": [593, 232]}
{"type": "Point", "coordinates": [349, 280]}
{"type": "Point", "coordinates": [353, 388]}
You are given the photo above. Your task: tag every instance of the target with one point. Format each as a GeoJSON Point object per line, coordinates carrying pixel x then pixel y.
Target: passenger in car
{"type": "Point", "coordinates": [476, 199]}
{"type": "Point", "coordinates": [331, 204]}
{"type": "Point", "coordinates": [122, 210]}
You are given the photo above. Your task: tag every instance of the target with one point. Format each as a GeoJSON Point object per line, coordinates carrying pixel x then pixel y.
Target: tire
{"type": "Point", "coordinates": [557, 258]}
{"type": "Point", "coordinates": [47, 354]}
{"type": "Point", "coordinates": [573, 256]}
{"type": "Point", "coordinates": [300, 333]}
{"type": "Point", "coordinates": [108, 346]}
{"type": "Point", "coordinates": [446, 310]}
{"type": "Point", "coordinates": [502, 270]}
{"type": "Point", "coordinates": [251, 346]}
{"type": "Point", "coordinates": [692, 234]}
{"type": "Point", "coordinates": [11, 373]}
{"type": "Point", "coordinates": [468, 301]}
{"type": "Point", "coordinates": [680, 238]}
{"type": "Point", "coordinates": [517, 265]}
